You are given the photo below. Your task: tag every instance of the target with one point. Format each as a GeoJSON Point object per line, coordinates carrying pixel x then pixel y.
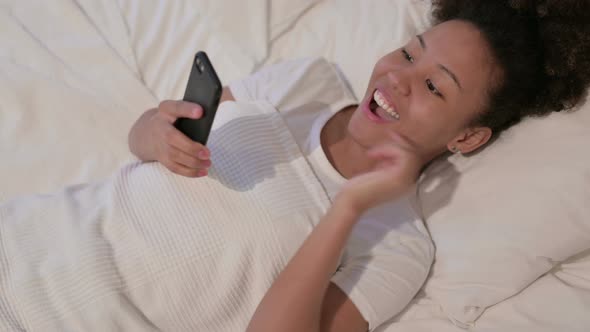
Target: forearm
{"type": "Point", "coordinates": [137, 139]}
{"type": "Point", "coordinates": [294, 302]}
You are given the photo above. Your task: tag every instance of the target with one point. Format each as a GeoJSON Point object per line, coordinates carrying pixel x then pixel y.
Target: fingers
{"type": "Point", "coordinates": [186, 160]}
{"type": "Point", "coordinates": [179, 141]}
{"type": "Point", "coordinates": [174, 109]}
{"type": "Point", "coordinates": [181, 163]}
{"type": "Point", "coordinates": [183, 170]}
{"type": "Point", "coordinates": [177, 152]}
{"type": "Point", "coordinates": [402, 141]}
{"type": "Point", "coordinates": [393, 155]}
{"type": "Point", "coordinates": [399, 146]}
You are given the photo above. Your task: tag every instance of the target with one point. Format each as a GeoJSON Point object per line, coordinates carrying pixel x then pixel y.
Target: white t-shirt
{"type": "Point", "coordinates": [390, 252]}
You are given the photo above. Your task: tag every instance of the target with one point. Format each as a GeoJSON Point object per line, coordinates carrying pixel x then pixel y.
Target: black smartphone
{"type": "Point", "coordinates": [203, 88]}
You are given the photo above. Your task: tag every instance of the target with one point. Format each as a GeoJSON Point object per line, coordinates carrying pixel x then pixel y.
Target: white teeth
{"type": "Point", "coordinates": [384, 105]}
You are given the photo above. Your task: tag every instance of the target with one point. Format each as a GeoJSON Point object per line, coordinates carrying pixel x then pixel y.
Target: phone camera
{"type": "Point", "coordinates": [200, 65]}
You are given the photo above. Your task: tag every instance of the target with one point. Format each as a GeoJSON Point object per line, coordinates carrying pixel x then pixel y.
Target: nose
{"type": "Point", "coordinates": [400, 81]}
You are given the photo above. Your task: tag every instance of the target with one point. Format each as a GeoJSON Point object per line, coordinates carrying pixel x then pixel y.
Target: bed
{"type": "Point", "coordinates": [75, 75]}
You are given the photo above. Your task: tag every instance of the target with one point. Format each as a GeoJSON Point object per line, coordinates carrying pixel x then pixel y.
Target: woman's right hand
{"type": "Point", "coordinates": [154, 138]}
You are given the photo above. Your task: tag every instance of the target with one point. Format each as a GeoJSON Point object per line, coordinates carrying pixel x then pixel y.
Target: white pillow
{"type": "Point", "coordinates": [505, 216]}
{"type": "Point", "coordinates": [558, 301]}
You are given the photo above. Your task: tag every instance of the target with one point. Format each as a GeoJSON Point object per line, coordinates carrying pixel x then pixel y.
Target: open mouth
{"type": "Point", "coordinates": [382, 108]}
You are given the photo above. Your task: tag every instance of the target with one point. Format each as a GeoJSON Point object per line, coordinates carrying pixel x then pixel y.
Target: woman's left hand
{"type": "Point", "coordinates": [397, 170]}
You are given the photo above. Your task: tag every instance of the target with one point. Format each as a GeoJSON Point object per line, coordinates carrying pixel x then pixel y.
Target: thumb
{"type": "Point", "coordinates": [175, 109]}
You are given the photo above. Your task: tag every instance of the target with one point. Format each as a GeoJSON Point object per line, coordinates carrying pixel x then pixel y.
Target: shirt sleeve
{"type": "Point", "coordinates": [289, 84]}
{"type": "Point", "coordinates": [386, 262]}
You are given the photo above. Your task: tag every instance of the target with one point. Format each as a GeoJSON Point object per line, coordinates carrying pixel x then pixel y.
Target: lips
{"type": "Point", "coordinates": [379, 109]}
{"type": "Point", "coordinates": [384, 104]}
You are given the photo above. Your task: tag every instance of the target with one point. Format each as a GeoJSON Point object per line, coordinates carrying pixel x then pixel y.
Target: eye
{"type": "Point", "coordinates": [407, 55]}
{"type": "Point", "coordinates": [432, 88]}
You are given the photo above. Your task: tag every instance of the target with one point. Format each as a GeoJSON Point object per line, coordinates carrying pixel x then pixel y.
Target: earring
{"type": "Point", "coordinates": [454, 149]}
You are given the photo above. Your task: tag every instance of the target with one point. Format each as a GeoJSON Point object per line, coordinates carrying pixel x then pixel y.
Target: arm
{"type": "Point", "coordinates": [226, 95]}
{"type": "Point", "coordinates": [339, 313]}
{"type": "Point", "coordinates": [302, 298]}
{"type": "Point", "coordinates": [295, 300]}
{"type": "Point", "coordinates": [153, 137]}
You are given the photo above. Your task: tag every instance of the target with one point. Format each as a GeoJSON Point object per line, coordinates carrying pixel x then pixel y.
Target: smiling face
{"type": "Point", "coordinates": [429, 91]}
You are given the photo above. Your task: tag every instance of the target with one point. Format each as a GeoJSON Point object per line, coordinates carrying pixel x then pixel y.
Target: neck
{"type": "Point", "coordinates": [346, 155]}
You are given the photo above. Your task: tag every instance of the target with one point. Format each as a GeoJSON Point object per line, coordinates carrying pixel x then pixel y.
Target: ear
{"type": "Point", "coordinates": [470, 139]}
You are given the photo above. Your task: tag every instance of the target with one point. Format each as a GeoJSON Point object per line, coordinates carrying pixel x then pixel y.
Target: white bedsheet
{"type": "Point", "coordinates": [76, 74]}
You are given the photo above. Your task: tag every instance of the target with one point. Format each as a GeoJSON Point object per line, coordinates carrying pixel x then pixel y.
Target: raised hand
{"type": "Point", "coordinates": [397, 170]}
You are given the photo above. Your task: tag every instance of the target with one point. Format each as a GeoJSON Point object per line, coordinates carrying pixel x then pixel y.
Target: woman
{"type": "Point", "coordinates": [450, 88]}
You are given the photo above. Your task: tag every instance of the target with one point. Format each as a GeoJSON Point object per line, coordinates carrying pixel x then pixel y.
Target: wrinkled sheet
{"type": "Point", "coordinates": [76, 74]}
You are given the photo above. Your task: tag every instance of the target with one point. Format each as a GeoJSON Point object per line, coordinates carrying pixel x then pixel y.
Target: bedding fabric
{"type": "Point", "coordinates": [74, 75]}
{"type": "Point", "coordinates": [557, 301]}
{"type": "Point", "coordinates": [68, 96]}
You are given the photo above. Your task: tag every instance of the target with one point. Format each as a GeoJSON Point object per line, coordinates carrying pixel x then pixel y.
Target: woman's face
{"type": "Point", "coordinates": [429, 91]}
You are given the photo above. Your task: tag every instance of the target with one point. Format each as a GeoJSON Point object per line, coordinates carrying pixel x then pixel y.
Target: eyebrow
{"type": "Point", "coordinates": [445, 69]}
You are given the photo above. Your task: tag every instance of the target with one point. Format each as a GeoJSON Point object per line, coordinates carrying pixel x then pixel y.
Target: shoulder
{"type": "Point", "coordinates": [394, 225]}
{"type": "Point", "coordinates": [386, 261]}
{"type": "Point", "coordinates": [290, 83]}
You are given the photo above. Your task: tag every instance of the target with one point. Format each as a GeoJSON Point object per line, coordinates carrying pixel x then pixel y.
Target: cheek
{"type": "Point", "coordinates": [429, 125]}
{"type": "Point", "coordinates": [378, 71]}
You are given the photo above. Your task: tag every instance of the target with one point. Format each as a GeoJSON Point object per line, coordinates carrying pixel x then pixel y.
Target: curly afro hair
{"type": "Point", "coordinates": [542, 47]}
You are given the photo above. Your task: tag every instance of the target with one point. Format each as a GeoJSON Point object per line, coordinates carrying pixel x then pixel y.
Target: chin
{"type": "Point", "coordinates": [356, 126]}
{"type": "Point", "coordinates": [359, 131]}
